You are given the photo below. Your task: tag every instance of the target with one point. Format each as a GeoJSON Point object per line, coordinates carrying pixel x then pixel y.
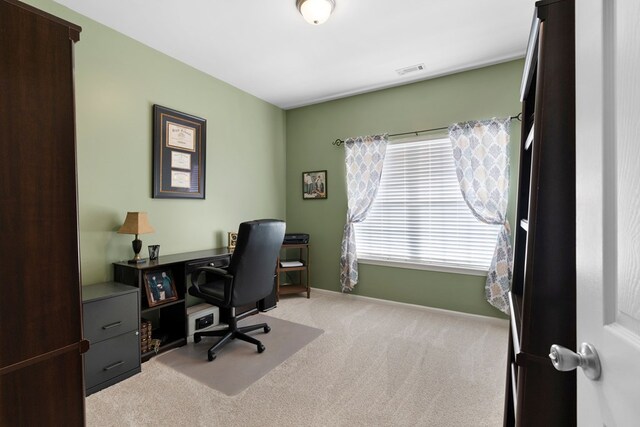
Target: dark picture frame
{"type": "Point", "coordinates": [315, 185]}
{"type": "Point", "coordinates": [159, 287]}
{"type": "Point", "coordinates": [179, 154]}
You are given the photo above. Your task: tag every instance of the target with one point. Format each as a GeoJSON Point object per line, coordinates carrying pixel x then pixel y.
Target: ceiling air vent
{"type": "Point", "coordinates": [410, 69]}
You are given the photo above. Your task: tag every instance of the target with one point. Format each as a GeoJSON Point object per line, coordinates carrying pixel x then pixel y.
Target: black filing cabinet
{"type": "Point", "coordinates": [111, 319]}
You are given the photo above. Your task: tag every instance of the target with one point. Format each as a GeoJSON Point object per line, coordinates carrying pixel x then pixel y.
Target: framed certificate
{"type": "Point", "coordinates": [179, 148]}
{"type": "Point", "coordinates": [180, 160]}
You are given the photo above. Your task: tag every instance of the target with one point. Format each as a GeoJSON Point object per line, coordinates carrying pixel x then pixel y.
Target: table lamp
{"type": "Point", "coordinates": [136, 223]}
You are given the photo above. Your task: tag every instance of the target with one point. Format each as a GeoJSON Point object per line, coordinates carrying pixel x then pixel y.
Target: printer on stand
{"type": "Point", "coordinates": [295, 239]}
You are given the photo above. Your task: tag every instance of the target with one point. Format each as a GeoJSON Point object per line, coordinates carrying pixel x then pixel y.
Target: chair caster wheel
{"type": "Point", "coordinates": [261, 348]}
{"type": "Point", "coordinates": [211, 356]}
{"type": "Point", "coordinates": [197, 338]}
{"type": "Point", "coordinates": [267, 329]}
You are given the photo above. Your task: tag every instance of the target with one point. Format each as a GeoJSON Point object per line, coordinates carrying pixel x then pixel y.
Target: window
{"type": "Point", "coordinates": [419, 218]}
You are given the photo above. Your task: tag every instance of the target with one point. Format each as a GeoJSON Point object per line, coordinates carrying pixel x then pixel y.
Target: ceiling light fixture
{"type": "Point", "coordinates": [315, 12]}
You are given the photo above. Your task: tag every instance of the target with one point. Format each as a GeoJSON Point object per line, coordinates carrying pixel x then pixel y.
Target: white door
{"type": "Point", "coordinates": [608, 207]}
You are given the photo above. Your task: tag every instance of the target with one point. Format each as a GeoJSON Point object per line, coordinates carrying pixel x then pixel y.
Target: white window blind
{"type": "Point", "coordinates": [419, 216]}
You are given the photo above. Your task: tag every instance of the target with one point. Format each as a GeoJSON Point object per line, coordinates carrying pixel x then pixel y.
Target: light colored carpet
{"type": "Point", "coordinates": [238, 364]}
{"type": "Point", "coordinates": [375, 365]}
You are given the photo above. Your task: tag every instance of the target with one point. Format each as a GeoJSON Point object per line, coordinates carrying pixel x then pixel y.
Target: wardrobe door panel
{"type": "Point", "coordinates": [44, 393]}
{"type": "Point", "coordinates": [41, 378]}
{"type": "Point", "coordinates": [40, 303]}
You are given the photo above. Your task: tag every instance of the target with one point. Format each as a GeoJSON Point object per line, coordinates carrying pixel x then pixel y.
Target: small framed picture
{"type": "Point", "coordinates": [159, 287]}
{"type": "Point", "coordinates": [314, 185]}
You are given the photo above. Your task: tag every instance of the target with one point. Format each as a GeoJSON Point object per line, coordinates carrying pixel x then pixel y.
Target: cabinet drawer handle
{"type": "Point", "coordinates": [115, 365]}
{"type": "Point", "coordinates": [112, 325]}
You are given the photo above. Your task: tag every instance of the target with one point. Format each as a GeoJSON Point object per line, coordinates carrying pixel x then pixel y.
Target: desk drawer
{"type": "Point", "coordinates": [107, 318]}
{"type": "Point", "coordinates": [108, 359]}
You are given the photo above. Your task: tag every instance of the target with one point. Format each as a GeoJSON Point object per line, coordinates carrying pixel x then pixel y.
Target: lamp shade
{"type": "Point", "coordinates": [136, 223]}
{"type": "Point", "coordinates": [315, 12]}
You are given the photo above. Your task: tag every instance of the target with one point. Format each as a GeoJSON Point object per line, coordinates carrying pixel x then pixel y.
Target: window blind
{"type": "Point", "coordinates": [419, 215]}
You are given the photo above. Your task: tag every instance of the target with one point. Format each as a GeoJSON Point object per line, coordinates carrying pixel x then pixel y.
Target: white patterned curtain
{"type": "Point", "coordinates": [364, 157]}
{"type": "Point", "coordinates": [481, 155]}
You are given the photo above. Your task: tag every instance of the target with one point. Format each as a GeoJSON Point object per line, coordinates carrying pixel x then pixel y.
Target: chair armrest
{"type": "Point", "coordinates": [222, 273]}
{"type": "Point", "coordinates": [214, 270]}
{"type": "Point", "coordinates": [195, 274]}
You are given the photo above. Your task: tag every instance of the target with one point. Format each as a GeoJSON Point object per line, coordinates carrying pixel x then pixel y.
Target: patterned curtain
{"type": "Point", "coordinates": [364, 157]}
{"type": "Point", "coordinates": [481, 154]}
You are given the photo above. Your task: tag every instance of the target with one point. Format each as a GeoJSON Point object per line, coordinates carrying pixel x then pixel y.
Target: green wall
{"type": "Point", "coordinates": [256, 154]}
{"type": "Point", "coordinates": [478, 94]}
{"type": "Point", "coordinates": [117, 81]}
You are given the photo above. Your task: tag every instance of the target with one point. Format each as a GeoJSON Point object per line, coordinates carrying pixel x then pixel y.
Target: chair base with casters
{"type": "Point", "coordinates": [231, 333]}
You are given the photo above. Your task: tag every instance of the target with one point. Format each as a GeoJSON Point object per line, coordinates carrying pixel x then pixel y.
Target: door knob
{"type": "Point", "coordinates": [587, 358]}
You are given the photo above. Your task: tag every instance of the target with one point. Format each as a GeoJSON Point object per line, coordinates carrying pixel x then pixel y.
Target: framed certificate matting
{"type": "Point", "coordinates": [179, 142]}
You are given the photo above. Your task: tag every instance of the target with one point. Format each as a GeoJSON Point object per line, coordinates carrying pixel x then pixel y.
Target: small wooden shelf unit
{"type": "Point", "coordinates": [301, 272]}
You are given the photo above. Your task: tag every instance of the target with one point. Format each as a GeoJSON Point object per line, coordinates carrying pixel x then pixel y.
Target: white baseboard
{"type": "Point", "coordinates": [490, 319]}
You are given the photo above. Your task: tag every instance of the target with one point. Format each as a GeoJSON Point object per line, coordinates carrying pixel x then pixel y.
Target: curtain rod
{"type": "Point", "coordinates": [338, 142]}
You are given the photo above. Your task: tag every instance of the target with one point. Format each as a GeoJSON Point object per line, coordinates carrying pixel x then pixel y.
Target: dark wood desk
{"type": "Point", "coordinates": [169, 319]}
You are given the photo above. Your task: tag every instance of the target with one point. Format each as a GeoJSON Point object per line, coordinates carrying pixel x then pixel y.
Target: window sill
{"type": "Point", "coordinates": [429, 267]}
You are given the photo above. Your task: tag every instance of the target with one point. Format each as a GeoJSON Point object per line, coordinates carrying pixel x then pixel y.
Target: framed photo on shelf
{"type": "Point", "coordinates": [159, 287]}
{"type": "Point", "coordinates": [314, 185]}
{"type": "Point", "coordinates": [179, 148]}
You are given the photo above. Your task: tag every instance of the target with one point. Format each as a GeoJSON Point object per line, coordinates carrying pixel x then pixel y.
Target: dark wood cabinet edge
{"type": "Point", "coordinates": [541, 7]}
{"type": "Point", "coordinates": [74, 30]}
{"type": "Point", "coordinates": [532, 45]}
{"type": "Point", "coordinates": [562, 111]}
{"type": "Point", "coordinates": [530, 374]}
{"type": "Point", "coordinates": [81, 347]}
{"type": "Point", "coordinates": [531, 58]}
{"type": "Point", "coordinates": [523, 359]}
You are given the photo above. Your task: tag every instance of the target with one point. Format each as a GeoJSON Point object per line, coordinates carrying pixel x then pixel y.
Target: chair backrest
{"type": "Point", "coordinates": [253, 262]}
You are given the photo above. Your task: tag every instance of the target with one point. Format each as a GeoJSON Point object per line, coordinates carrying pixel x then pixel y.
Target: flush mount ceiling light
{"type": "Point", "coordinates": [315, 12]}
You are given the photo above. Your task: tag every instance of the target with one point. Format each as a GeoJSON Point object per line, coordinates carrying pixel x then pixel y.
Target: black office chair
{"type": "Point", "coordinates": [248, 279]}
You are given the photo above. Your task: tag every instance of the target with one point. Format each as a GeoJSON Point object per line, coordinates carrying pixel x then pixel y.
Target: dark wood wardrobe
{"type": "Point", "coordinates": [41, 345]}
{"type": "Point", "coordinates": [543, 291]}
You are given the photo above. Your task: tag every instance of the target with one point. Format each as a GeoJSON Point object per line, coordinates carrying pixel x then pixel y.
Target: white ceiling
{"type": "Point", "coordinates": [265, 48]}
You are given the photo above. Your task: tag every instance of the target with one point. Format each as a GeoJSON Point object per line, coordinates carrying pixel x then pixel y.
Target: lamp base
{"type": "Point", "coordinates": [137, 245]}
